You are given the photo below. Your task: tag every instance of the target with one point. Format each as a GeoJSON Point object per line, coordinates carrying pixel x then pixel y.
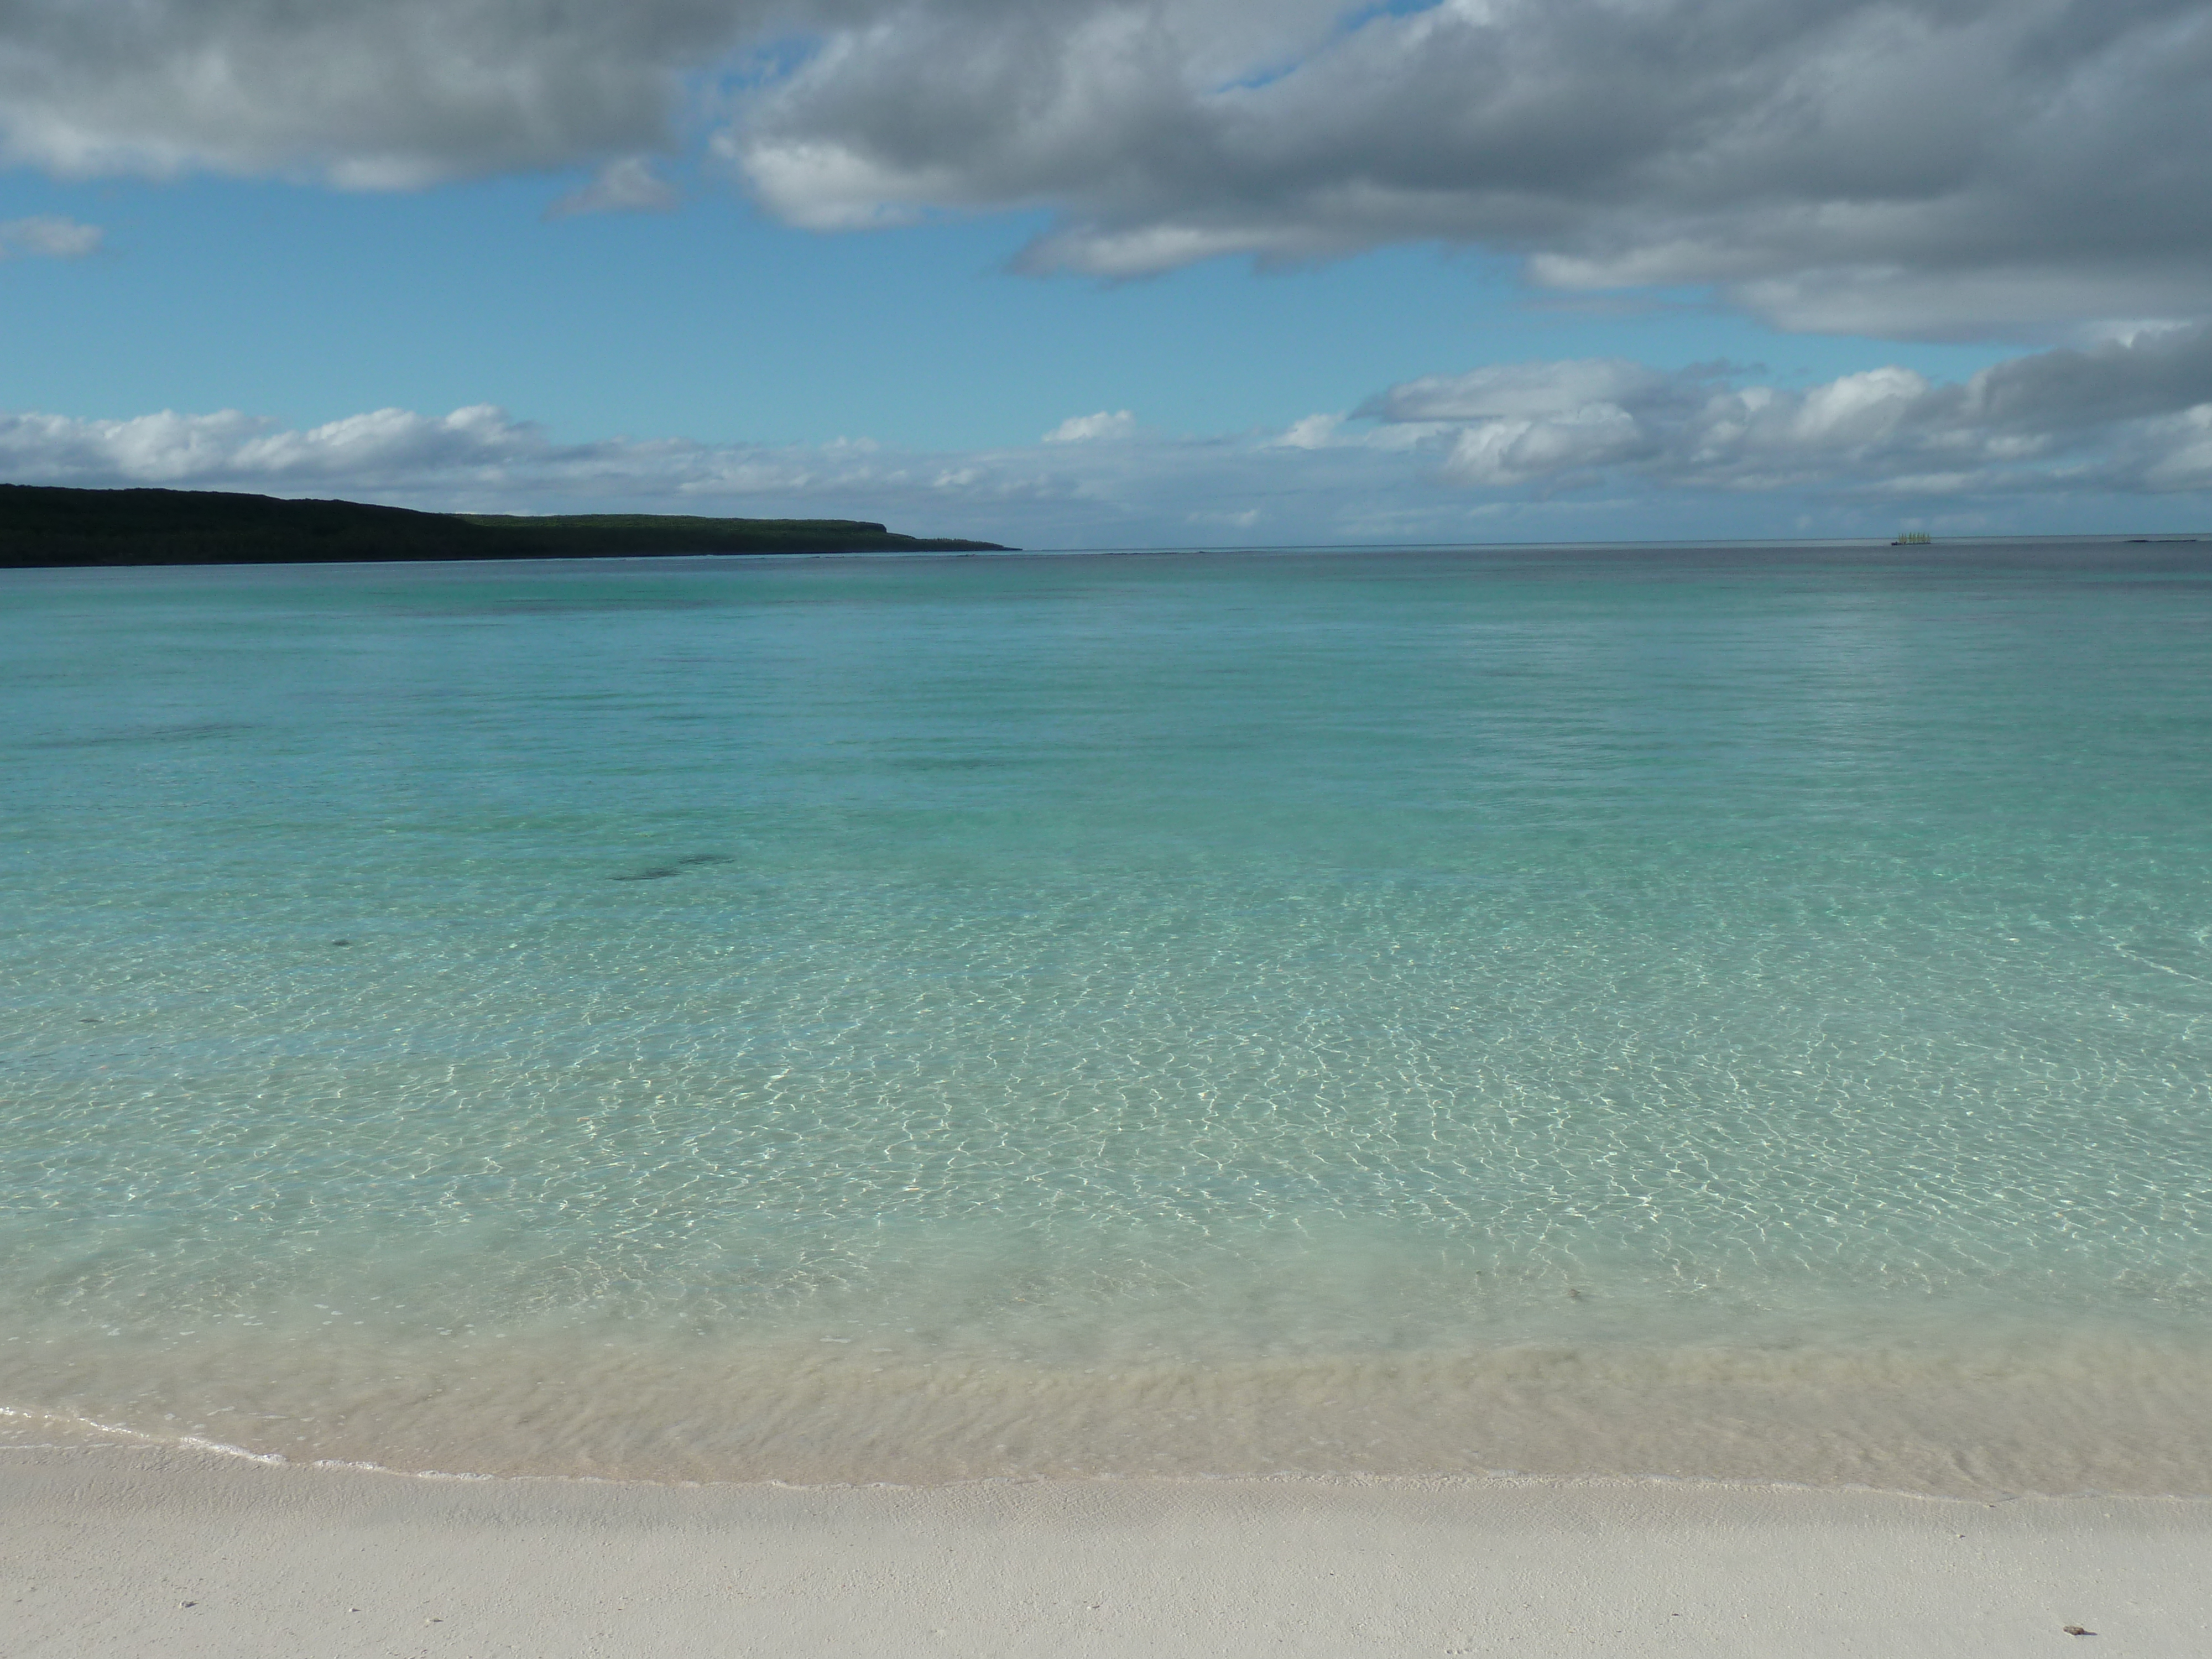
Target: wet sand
{"type": "Point", "coordinates": [115, 1549]}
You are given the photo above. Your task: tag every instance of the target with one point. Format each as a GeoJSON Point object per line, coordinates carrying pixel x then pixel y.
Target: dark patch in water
{"type": "Point", "coordinates": [181, 733]}
{"type": "Point", "coordinates": [341, 941]}
{"type": "Point", "coordinates": [662, 872]}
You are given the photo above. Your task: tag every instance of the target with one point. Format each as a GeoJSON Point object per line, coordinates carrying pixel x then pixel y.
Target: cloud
{"type": "Point", "coordinates": [51, 237]}
{"type": "Point", "coordinates": [1089, 428]}
{"type": "Point", "coordinates": [1312, 432]}
{"type": "Point", "coordinates": [2127, 414]}
{"type": "Point", "coordinates": [1887, 167]}
{"type": "Point", "coordinates": [401, 92]}
{"type": "Point", "coordinates": [386, 447]}
{"type": "Point", "coordinates": [2092, 437]}
{"type": "Point", "coordinates": [1507, 390]}
{"type": "Point", "coordinates": [627, 186]}
{"type": "Point", "coordinates": [482, 457]}
{"type": "Point", "coordinates": [1943, 167]}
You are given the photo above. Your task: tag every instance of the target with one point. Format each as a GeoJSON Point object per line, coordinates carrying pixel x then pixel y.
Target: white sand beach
{"type": "Point", "coordinates": [114, 1548]}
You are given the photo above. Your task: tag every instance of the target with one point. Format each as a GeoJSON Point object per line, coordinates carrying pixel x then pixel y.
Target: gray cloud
{"type": "Point", "coordinates": [628, 184]}
{"type": "Point", "coordinates": [1528, 449]}
{"type": "Point", "coordinates": [1889, 166]}
{"type": "Point", "coordinates": [1933, 166]}
{"type": "Point", "coordinates": [400, 93]}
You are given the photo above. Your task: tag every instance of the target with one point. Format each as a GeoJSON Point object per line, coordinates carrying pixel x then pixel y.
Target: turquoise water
{"type": "Point", "coordinates": [1739, 1011]}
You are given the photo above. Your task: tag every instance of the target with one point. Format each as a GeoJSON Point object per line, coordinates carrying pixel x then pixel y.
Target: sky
{"type": "Point", "coordinates": [1081, 273]}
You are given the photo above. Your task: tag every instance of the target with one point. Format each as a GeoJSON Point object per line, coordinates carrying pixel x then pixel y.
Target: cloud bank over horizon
{"type": "Point", "coordinates": [1443, 457]}
{"type": "Point", "coordinates": [1999, 168]}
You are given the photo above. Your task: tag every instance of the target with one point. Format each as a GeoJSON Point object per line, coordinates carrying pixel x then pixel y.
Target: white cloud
{"type": "Point", "coordinates": [1522, 451]}
{"type": "Point", "coordinates": [2125, 414]}
{"type": "Point", "coordinates": [1089, 428]}
{"type": "Point", "coordinates": [627, 186]}
{"type": "Point", "coordinates": [1314, 432]}
{"type": "Point", "coordinates": [1512, 452]}
{"type": "Point", "coordinates": [1507, 391]}
{"type": "Point", "coordinates": [383, 446]}
{"type": "Point", "coordinates": [53, 238]}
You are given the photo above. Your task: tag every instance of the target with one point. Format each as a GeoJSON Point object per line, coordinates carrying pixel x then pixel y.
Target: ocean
{"type": "Point", "coordinates": [1729, 1012]}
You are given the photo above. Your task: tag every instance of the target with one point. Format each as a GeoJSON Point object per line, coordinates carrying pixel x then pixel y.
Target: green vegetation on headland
{"type": "Point", "coordinates": [41, 525]}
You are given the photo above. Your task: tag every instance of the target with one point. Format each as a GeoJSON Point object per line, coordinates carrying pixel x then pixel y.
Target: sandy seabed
{"type": "Point", "coordinates": [114, 1547]}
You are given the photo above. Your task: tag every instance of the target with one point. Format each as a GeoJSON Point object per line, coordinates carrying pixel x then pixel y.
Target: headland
{"type": "Point", "coordinates": [49, 526]}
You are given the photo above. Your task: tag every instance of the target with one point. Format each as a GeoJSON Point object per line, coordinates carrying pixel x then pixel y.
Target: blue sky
{"type": "Point", "coordinates": [715, 322]}
{"type": "Point", "coordinates": [794, 292]}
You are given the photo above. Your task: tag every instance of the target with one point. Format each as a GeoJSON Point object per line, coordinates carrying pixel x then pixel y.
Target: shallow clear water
{"type": "Point", "coordinates": [1732, 1011]}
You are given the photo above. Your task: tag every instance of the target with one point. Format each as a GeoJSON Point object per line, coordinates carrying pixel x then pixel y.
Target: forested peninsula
{"type": "Point", "coordinates": [43, 525]}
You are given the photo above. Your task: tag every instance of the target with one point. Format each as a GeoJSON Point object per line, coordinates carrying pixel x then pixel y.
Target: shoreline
{"type": "Point", "coordinates": [2089, 1412]}
{"type": "Point", "coordinates": [132, 1549]}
